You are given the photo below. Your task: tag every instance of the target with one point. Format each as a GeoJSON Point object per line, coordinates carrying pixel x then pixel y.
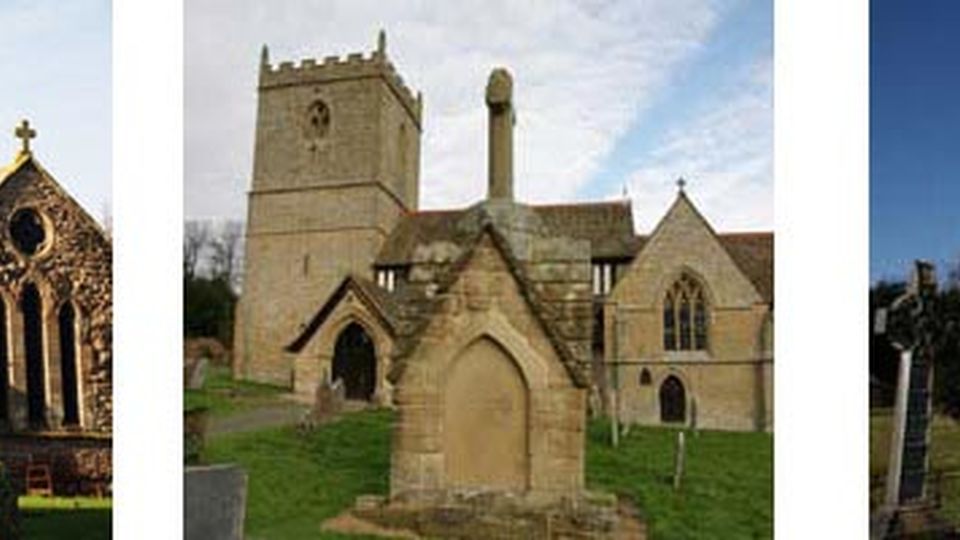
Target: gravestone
{"type": "Point", "coordinates": [214, 502]}
{"type": "Point", "coordinates": [196, 373]}
{"type": "Point", "coordinates": [911, 323]}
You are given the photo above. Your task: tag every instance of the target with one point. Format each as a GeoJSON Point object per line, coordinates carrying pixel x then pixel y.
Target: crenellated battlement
{"type": "Point", "coordinates": [353, 66]}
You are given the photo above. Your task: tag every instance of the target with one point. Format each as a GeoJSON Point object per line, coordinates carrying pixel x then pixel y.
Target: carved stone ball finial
{"type": "Point", "coordinates": [499, 88]}
{"type": "Point", "coordinates": [24, 132]}
{"type": "Point", "coordinates": [681, 183]}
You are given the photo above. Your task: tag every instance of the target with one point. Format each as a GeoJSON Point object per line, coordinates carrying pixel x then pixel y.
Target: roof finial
{"type": "Point", "coordinates": [681, 183]}
{"type": "Point", "coordinates": [382, 42]}
{"type": "Point", "coordinates": [264, 56]}
{"type": "Point", "coordinates": [626, 193]}
{"type": "Point", "coordinates": [24, 132]}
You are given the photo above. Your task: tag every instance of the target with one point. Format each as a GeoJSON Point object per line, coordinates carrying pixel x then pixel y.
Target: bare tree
{"type": "Point", "coordinates": [226, 252]}
{"type": "Point", "coordinates": [196, 236]}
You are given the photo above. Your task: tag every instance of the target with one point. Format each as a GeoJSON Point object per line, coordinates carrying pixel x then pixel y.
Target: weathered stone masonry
{"type": "Point", "coordinates": [55, 330]}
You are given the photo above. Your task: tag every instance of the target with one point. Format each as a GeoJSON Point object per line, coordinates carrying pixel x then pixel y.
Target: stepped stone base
{"type": "Point", "coordinates": [481, 515]}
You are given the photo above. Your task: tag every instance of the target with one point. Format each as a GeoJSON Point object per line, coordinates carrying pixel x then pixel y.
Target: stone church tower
{"type": "Point", "coordinates": [336, 164]}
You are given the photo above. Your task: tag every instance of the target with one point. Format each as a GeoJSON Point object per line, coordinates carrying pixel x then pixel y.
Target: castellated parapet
{"type": "Point", "coordinates": [339, 68]}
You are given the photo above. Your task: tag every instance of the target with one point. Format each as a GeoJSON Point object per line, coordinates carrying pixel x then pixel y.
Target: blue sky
{"type": "Point", "coordinates": [56, 59]}
{"type": "Point", "coordinates": [609, 94]}
{"type": "Point", "coordinates": [914, 134]}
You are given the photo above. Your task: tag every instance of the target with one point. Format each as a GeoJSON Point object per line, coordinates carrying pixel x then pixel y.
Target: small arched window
{"type": "Point", "coordinates": [685, 317]}
{"type": "Point", "coordinates": [645, 379]}
{"type": "Point", "coordinates": [317, 121]}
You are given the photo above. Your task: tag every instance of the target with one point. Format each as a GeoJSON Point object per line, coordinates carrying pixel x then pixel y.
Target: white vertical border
{"type": "Point", "coordinates": [148, 209]}
{"type": "Point", "coordinates": [821, 161]}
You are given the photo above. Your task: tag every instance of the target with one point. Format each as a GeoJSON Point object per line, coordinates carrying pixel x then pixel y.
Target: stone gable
{"type": "Point", "coordinates": [485, 328]}
{"type": "Point", "coordinates": [72, 265]}
{"type": "Point", "coordinates": [683, 240]}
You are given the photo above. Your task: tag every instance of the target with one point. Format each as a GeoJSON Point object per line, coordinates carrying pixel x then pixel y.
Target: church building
{"type": "Point", "coordinates": [554, 306]}
{"type": "Point", "coordinates": [55, 331]}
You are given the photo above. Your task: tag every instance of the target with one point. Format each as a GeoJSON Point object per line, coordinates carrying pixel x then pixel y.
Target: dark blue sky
{"type": "Point", "coordinates": [914, 134]}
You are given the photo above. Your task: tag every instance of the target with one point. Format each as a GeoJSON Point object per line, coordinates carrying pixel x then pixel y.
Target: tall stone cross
{"type": "Point", "coordinates": [500, 135]}
{"type": "Point", "coordinates": [24, 132]}
{"type": "Point", "coordinates": [911, 324]}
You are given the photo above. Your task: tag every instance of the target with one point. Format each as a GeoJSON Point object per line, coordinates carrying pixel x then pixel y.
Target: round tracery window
{"type": "Point", "coordinates": [28, 231]}
{"type": "Point", "coordinates": [317, 121]}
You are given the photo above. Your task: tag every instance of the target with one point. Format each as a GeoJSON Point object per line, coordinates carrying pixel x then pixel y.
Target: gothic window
{"type": "Point", "coordinates": [69, 372]}
{"type": "Point", "coordinates": [31, 307]}
{"type": "Point", "coordinates": [645, 379]}
{"type": "Point", "coordinates": [685, 316]}
{"type": "Point", "coordinates": [317, 122]}
{"type": "Point", "coordinates": [27, 231]}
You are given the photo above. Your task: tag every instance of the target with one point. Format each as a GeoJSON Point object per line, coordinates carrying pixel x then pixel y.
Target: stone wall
{"type": "Point", "coordinates": [79, 465]}
{"type": "Point", "coordinates": [75, 265]}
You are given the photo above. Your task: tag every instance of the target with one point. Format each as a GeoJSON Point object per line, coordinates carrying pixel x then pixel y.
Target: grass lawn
{"type": "Point", "coordinates": [296, 481]}
{"type": "Point", "coordinates": [77, 518]}
{"type": "Point", "coordinates": [223, 396]}
{"type": "Point", "coordinates": [944, 455]}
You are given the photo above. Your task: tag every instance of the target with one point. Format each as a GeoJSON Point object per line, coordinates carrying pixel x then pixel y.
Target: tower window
{"type": "Point", "coordinates": [685, 317]}
{"type": "Point", "coordinates": [317, 121]}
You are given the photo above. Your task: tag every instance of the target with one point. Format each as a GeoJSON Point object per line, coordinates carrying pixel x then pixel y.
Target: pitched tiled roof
{"type": "Point", "coordinates": [753, 253]}
{"type": "Point", "coordinates": [607, 225]}
{"type": "Point", "coordinates": [417, 307]}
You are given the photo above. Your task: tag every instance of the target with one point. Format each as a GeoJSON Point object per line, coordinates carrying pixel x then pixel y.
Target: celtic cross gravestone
{"type": "Point", "coordinates": [911, 324]}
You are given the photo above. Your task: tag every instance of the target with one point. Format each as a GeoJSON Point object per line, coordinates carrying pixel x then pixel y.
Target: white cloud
{"type": "Point", "coordinates": [726, 154]}
{"type": "Point", "coordinates": [583, 71]}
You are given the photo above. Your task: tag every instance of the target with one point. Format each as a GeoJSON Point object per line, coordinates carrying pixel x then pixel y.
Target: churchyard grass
{"type": "Point", "coordinates": [944, 456]}
{"type": "Point", "coordinates": [726, 490]}
{"type": "Point", "coordinates": [222, 395]}
{"type": "Point", "coordinates": [79, 518]}
{"type": "Point", "coordinates": [298, 481]}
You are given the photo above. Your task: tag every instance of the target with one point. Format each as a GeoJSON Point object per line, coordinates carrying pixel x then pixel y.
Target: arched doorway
{"type": "Point", "coordinates": [31, 306]}
{"type": "Point", "coordinates": [4, 366]}
{"type": "Point", "coordinates": [68, 365]}
{"type": "Point", "coordinates": [673, 400]}
{"type": "Point", "coordinates": [355, 362]}
{"type": "Point", "coordinates": [486, 410]}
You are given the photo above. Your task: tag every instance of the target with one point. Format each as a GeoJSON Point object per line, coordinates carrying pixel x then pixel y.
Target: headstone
{"type": "Point", "coordinates": [327, 404]}
{"type": "Point", "coordinates": [197, 373]}
{"type": "Point", "coordinates": [214, 502]}
{"type": "Point", "coordinates": [912, 325]}
{"type": "Point", "coordinates": [678, 462]}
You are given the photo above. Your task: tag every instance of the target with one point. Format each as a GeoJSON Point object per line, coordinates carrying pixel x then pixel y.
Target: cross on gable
{"type": "Point", "coordinates": [24, 132]}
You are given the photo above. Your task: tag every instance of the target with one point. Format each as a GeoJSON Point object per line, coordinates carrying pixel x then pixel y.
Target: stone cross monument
{"type": "Point", "coordinates": [500, 155]}
{"type": "Point", "coordinates": [912, 324]}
